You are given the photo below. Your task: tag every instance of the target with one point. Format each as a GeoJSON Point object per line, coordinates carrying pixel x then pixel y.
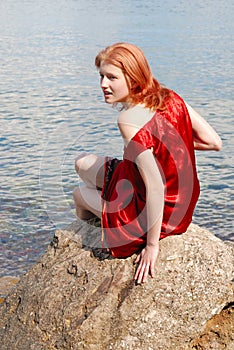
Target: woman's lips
{"type": "Point", "coordinates": [107, 93]}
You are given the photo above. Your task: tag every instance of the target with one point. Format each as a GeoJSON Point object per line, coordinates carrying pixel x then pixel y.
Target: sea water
{"type": "Point", "coordinates": [51, 106]}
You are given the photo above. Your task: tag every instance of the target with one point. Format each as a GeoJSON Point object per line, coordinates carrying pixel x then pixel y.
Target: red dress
{"type": "Point", "coordinates": [169, 135]}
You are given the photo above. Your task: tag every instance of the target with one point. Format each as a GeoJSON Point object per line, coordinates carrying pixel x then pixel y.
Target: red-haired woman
{"type": "Point", "coordinates": [152, 192]}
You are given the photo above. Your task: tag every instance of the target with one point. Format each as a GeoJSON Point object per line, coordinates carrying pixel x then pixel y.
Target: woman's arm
{"type": "Point", "coordinates": [154, 203]}
{"type": "Point", "coordinates": [205, 137]}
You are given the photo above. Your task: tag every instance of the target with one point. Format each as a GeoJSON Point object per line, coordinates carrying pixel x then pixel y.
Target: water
{"type": "Point", "coordinates": [51, 106]}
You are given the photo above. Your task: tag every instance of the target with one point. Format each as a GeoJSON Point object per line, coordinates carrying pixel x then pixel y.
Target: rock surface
{"type": "Point", "coordinates": [6, 285]}
{"type": "Point", "coordinates": [74, 298]}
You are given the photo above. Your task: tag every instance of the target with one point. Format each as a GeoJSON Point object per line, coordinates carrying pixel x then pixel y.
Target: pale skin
{"type": "Point", "coordinates": [90, 167]}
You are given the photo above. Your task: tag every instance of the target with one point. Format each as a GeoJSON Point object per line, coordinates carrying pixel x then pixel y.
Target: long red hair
{"type": "Point", "coordinates": [143, 87]}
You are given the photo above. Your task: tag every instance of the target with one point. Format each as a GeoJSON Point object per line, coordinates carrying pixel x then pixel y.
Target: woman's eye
{"type": "Point", "coordinates": [110, 77]}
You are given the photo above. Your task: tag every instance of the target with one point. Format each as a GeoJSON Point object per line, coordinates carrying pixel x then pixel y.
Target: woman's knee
{"type": "Point", "coordinates": [79, 199]}
{"type": "Point", "coordinates": [80, 162]}
{"type": "Point", "coordinates": [77, 195]}
{"type": "Point", "coordinates": [81, 211]}
{"type": "Point", "coordinates": [89, 167]}
{"type": "Point", "coordinates": [87, 199]}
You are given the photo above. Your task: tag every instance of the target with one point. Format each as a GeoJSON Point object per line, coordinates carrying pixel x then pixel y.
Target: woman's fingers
{"type": "Point", "coordinates": [138, 259]}
{"type": "Point", "coordinates": [146, 266]}
{"type": "Point", "coordinates": [142, 273]}
{"type": "Point", "coordinates": [152, 273]}
{"type": "Point", "coordinates": [145, 273]}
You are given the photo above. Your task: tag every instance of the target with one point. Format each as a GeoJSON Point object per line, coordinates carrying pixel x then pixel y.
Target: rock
{"type": "Point", "coordinates": [6, 285]}
{"type": "Point", "coordinates": [218, 333]}
{"type": "Point", "coordinates": [78, 298]}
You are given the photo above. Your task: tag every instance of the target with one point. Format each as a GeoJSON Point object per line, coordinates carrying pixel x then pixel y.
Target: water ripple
{"type": "Point", "coordinates": [51, 107]}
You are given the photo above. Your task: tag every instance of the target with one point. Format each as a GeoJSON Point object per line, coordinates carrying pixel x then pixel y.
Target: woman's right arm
{"type": "Point", "coordinates": [205, 137]}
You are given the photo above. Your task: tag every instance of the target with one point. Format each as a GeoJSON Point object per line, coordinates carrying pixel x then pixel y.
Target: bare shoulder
{"type": "Point", "coordinates": [136, 115]}
{"type": "Point", "coordinates": [132, 120]}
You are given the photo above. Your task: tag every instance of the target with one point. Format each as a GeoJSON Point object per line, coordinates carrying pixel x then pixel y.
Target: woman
{"type": "Point", "coordinates": [152, 192]}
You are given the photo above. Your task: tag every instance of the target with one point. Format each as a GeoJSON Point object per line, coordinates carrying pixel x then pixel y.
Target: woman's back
{"type": "Point", "coordinates": [168, 135]}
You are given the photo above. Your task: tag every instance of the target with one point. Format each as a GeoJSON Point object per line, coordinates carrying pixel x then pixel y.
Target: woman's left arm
{"type": "Point", "coordinates": [154, 198]}
{"type": "Point", "coordinates": [154, 203]}
{"type": "Point", "coordinates": [205, 137]}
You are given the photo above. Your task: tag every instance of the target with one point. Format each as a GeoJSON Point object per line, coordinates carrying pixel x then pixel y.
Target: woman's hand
{"type": "Point", "coordinates": [146, 262]}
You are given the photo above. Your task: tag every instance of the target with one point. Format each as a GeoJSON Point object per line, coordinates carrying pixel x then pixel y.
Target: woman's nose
{"type": "Point", "coordinates": [104, 82]}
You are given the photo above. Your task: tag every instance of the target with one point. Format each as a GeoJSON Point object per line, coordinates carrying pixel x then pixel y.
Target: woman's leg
{"type": "Point", "coordinates": [87, 202]}
{"type": "Point", "coordinates": [90, 169]}
{"type": "Point", "coordinates": [87, 198]}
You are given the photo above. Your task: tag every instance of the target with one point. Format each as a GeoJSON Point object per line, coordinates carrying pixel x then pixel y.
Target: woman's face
{"type": "Point", "coordinates": [113, 83]}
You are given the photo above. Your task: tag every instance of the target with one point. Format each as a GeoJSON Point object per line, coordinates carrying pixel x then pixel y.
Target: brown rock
{"type": "Point", "coordinates": [77, 299]}
{"type": "Point", "coordinates": [6, 285]}
{"type": "Point", "coordinates": [218, 333]}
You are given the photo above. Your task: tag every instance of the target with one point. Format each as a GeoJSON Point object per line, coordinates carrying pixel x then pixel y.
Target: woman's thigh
{"type": "Point", "coordinates": [91, 169]}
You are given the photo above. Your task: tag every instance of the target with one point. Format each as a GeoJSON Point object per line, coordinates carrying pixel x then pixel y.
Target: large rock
{"type": "Point", "coordinates": [74, 298]}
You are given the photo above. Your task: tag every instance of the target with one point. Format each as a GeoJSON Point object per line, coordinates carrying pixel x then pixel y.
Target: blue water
{"type": "Point", "coordinates": [51, 106]}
